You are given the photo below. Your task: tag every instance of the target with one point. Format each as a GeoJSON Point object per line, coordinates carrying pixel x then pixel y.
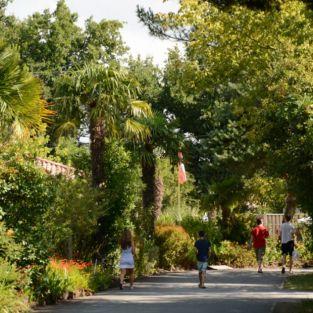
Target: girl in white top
{"type": "Point", "coordinates": [127, 263]}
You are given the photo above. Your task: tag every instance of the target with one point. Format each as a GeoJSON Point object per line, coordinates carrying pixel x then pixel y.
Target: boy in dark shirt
{"type": "Point", "coordinates": [203, 247]}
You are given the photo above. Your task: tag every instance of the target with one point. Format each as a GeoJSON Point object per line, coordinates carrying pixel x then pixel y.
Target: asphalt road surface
{"type": "Point", "coordinates": [228, 291]}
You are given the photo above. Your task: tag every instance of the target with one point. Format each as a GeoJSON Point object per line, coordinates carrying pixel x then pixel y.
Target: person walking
{"type": "Point", "coordinates": [127, 263]}
{"type": "Point", "coordinates": [202, 246]}
{"type": "Point", "coordinates": [287, 232]}
{"type": "Point", "coordinates": [258, 237]}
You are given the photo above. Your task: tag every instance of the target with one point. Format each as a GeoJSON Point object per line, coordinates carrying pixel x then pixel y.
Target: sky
{"type": "Point", "coordinates": [135, 34]}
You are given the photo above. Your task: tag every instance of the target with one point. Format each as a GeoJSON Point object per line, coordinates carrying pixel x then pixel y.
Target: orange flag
{"type": "Point", "coordinates": [182, 178]}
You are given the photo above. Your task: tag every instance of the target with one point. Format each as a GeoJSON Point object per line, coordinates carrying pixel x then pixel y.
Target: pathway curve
{"type": "Point", "coordinates": [228, 291]}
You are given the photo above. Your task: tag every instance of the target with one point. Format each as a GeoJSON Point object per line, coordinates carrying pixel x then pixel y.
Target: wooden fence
{"type": "Point", "coordinates": [273, 221]}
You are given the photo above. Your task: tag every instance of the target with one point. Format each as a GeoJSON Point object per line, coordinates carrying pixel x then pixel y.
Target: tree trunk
{"type": "Point", "coordinates": [291, 204]}
{"type": "Point", "coordinates": [97, 145]}
{"type": "Point", "coordinates": [148, 169]}
{"type": "Point", "coordinates": [226, 212]}
{"type": "Point", "coordinates": [158, 197]}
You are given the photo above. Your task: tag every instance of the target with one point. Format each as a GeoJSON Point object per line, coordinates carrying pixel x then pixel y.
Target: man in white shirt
{"type": "Point", "coordinates": [287, 232]}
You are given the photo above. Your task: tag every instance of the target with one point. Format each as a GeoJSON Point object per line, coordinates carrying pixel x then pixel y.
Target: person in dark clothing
{"type": "Point", "coordinates": [203, 247]}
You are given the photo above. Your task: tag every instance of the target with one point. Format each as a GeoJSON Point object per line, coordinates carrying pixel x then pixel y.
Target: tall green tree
{"type": "Point", "coordinates": [21, 105]}
{"type": "Point", "coordinates": [164, 25]}
{"type": "Point", "coordinates": [51, 43]}
{"type": "Point", "coordinates": [162, 138]}
{"type": "Point", "coordinates": [105, 98]}
{"type": "Point", "coordinates": [240, 66]}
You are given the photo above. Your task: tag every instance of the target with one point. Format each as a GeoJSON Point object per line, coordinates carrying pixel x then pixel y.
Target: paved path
{"type": "Point", "coordinates": [228, 291]}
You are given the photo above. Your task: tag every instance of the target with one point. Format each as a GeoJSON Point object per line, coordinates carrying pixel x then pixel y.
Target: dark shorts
{"type": "Point", "coordinates": [259, 253]}
{"type": "Point", "coordinates": [287, 248]}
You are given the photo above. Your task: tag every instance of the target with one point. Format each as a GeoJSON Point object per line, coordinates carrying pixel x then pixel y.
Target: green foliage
{"type": "Point", "coordinates": [120, 199]}
{"type": "Point", "coordinates": [147, 258]}
{"type": "Point", "coordinates": [8, 274]}
{"type": "Point", "coordinates": [304, 244]}
{"type": "Point", "coordinates": [73, 216]}
{"type": "Point", "coordinates": [235, 255]}
{"type": "Point", "coordinates": [100, 279]}
{"type": "Point", "coordinates": [267, 194]}
{"type": "Point", "coordinates": [25, 194]}
{"type": "Point", "coordinates": [48, 284]}
{"type": "Point", "coordinates": [21, 106]}
{"type": "Point", "coordinates": [70, 153]}
{"type": "Point", "coordinates": [11, 301]}
{"type": "Point", "coordinates": [52, 42]}
{"type": "Point", "coordinates": [77, 280]}
{"type": "Point", "coordinates": [12, 281]}
{"type": "Point", "coordinates": [194, 224]}
{"type": "Point", "coordinates": [176, 249]}
{"type": "Point", "coordinates": [252, 107]}
{"type": "Point", "coordinates": [149, 78]}
{"type": "Point", "coordinates": [188, 201]}
{"type": "Point", "coordinates": [8, 247]}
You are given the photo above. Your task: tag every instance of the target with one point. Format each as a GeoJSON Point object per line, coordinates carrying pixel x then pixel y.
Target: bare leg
{"type": "Point", "coordinates": [200, 279]}
{"type": "Point", "coordinates": [290, 264]}
{"type": "Point", "coordinates": [122, 276]}
{"type": "Point", "coordinates": [283, 261]}
{"type": "Point", "coordinates": [203, 278]}
{"type": "Point", "coordinates": [131, 277]}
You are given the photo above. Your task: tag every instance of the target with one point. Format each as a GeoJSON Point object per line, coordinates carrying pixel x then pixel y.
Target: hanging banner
{"type": "Point", "coordinates": [182, 178]}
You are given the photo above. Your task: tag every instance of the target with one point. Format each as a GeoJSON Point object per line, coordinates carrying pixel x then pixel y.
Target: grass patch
{"type": "Point", "coordinates": [302, 282]}
{"type": "Point", "coordinates": [294, 307]}
{"type": "Point", "coordinates": [307, 307]}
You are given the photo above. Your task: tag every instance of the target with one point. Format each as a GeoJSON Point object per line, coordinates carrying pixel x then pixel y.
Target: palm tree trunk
{"type": "Point", "coordinates": [97, 146]}
{"type": "Point", "coordinates": [148, 169]}
{"type": "Point", "coordinates": [226, 212]}
{"type": "Point", "coordinates": [158, 197]}
{"type": "Point", "coordinates": [291, 204]}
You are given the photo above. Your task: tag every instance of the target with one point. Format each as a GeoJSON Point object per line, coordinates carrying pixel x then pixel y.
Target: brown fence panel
{"type": "Point", "coordinates": [273, 221]}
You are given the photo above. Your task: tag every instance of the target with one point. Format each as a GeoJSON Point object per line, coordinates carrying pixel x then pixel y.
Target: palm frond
{"type": "Point", "coordinates": [20, 93]}
{"type": "Point", "coordinates": [136, 131]}
{"type": "Point", "coordinates": [140, 109]}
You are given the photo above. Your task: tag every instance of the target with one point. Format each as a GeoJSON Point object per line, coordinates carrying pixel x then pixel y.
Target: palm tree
{"type": "Point", "coordinates": [102, 98]}
{"type": "Point", "coordinates": [162, 139]}
{"type": "Point", "coordinates": [21, 105]}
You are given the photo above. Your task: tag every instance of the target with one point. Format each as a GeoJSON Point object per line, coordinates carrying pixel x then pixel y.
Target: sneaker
{"type": "Point", "coordinates": [260, 271]}
{"type": "Point", "coordinates": [283, 270]}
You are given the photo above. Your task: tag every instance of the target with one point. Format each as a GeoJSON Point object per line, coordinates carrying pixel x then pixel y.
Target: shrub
{"type": "Point", "coordinates": [25, 194]}
{"type": "Point", "coordinates": [8, 274]}
{"type": "Point", "coordinates": [48, 284]}
{"type": "Point", "coordinates": [235, 255]}
{"type": "Point", "coordinates": [12, 281]}
{"type": "Point", "coordinates": [194, 224]}
{"type": "Point", "coordinates": [8, 248]}
{"type": "Point", "coordinates": [273, 252]}
{"type": "Point", "coordinates": [100, 279]}
{"type": "Point", "coordinates": [11, 301]}
{"type": "Point", "coordinates": [176, 247]}
{"type": "Point", "coordinates": [305, 245]}
{"type": "Point", "coordinates": [147, 258]}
